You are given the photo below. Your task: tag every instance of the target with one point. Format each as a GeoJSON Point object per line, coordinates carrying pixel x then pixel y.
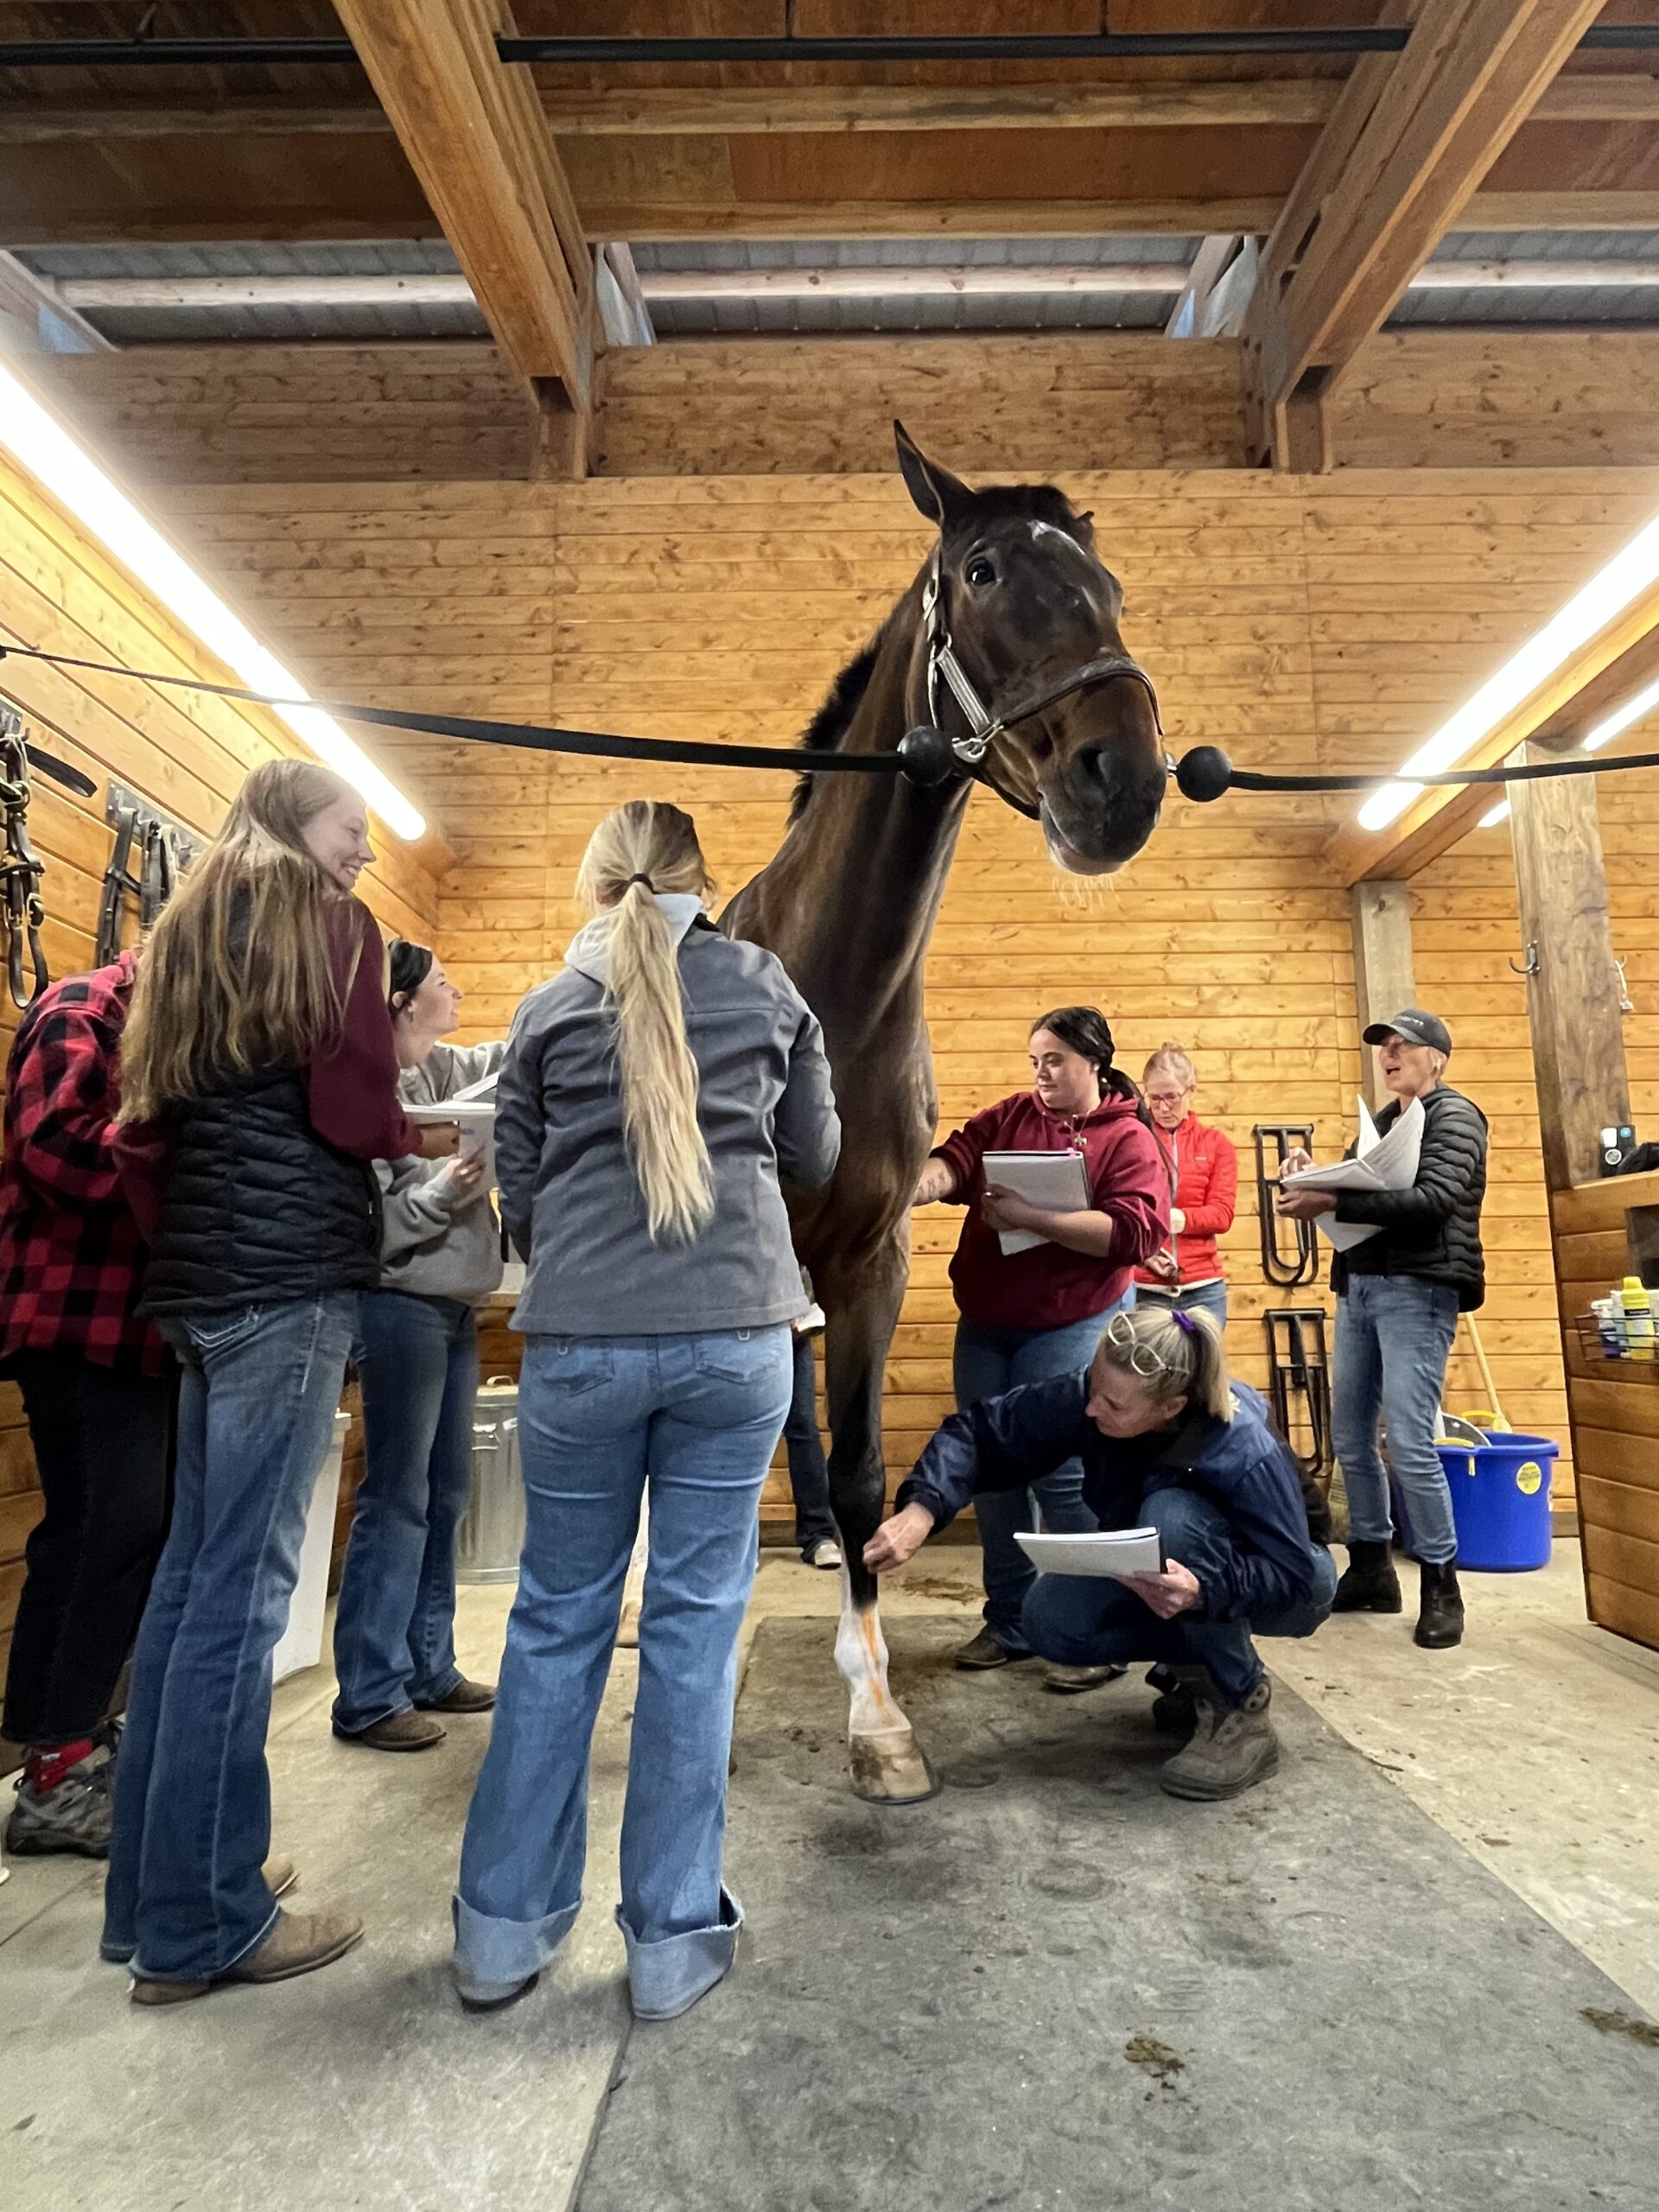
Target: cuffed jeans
{"type": "Point", "coordinates": [103, 1440]}
{"type": "Point", "coordinates": [1394, 1336]}
{"type": "Point", "coordinates": [987, 1363]}
{"type": "Point", "coordinates": [395, 1628]}
{"type": "Point", "coordinates": [186, 1897]}
{"type": "Point", "coordinates": [809, 1476]}
{"type": "Point", "coordinates": [1085, 1621]}
{"type": "Point", "coordinates": [693, 1420]}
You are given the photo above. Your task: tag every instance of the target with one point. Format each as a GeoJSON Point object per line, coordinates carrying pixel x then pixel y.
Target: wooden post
{"type": "Point", "coordinates": [1380, 916]}
{"type": "Point", "coordinates": [1578, 1043]}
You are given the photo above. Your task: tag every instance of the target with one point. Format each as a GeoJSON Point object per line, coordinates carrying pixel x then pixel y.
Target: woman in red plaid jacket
{"type": "Point", "coordinates": [89, 1371]}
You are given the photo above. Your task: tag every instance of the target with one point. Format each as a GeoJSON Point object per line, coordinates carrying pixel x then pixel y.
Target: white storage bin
{"type": "Point", "coordinates": [302, 1640]}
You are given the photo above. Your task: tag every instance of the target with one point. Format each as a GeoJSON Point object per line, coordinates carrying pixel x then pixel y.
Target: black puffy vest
{"type": "Point", "coordinates": [258, 1206]}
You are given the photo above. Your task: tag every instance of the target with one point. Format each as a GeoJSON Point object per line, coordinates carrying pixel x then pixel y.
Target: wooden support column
{"type": "Point", "coordinates": [1381, 918]}
{"type": "Point", "coordinates": [1578, 1043]}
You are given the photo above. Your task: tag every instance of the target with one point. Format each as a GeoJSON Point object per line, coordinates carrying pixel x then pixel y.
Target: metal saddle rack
{"type": "Point", "coordinates": [1299, 1385]}
{"type": "Point", "coordinates": [1286, 1270]}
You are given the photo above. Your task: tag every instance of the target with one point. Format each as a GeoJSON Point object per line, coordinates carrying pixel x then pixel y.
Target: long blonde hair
{"type": "Point", "coordinates": [237, 975]}
{"type": "Point", "coordinates": [639, 849]}
{"type": "Point", "coordinates": [1170, 1356]}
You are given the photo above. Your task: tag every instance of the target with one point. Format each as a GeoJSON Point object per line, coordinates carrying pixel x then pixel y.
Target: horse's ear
{"type": "Point", "coordinates": [937, 492]}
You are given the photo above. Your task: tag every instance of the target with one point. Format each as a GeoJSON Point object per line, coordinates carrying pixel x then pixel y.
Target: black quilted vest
{"type": "Point", "coordinates": [257, 1207]}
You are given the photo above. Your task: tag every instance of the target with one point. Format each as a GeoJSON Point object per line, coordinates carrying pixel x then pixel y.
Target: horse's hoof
{"type": "Point", "coordinates": [889, 1767]}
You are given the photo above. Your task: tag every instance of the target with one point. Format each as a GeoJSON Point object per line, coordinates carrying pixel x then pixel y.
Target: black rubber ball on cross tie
{"type": "Point", "coordinates": [1204, 773]}
{"type": "Point", "coordinates": [925, 756]}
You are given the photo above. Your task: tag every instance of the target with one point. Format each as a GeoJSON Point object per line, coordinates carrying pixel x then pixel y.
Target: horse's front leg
{"type": "Point", "coordinates": [888, 1765]}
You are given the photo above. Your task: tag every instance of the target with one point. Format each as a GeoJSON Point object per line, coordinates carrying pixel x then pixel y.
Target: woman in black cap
{"type": "Point", "coordinates": [1399, 1294]}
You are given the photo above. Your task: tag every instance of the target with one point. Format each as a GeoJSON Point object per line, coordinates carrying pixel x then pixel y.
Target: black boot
{"type": "Point", "coordinates": [1370, 1585]}
{"type": "Point", "coordinates": [1440, 1617]}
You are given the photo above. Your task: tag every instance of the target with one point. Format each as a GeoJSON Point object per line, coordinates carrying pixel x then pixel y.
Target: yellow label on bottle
{"type": "Point", "coordinates": [1530, 1477]}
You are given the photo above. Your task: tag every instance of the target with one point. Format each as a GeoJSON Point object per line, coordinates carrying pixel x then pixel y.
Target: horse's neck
{"type": "Point", "coordinates": [864, 867]}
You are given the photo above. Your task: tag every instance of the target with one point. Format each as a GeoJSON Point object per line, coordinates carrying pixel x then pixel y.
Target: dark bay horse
{"type": "Point", "coordinates": [848, 905]}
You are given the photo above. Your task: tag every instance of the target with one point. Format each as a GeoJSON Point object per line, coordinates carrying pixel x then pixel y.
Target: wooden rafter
{"type": "Point", "coordinates": [1407, 143]}
{"type": "Point", "coordinates": [475, 137]}
{"type": "Point", "coordinates": [1613, 663]}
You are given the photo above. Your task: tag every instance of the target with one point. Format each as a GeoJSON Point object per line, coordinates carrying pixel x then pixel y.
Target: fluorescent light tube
{"type": "Point", "coordinates": [1493, 815]}
{"type": "Point", "coordinates": [1607, 594]}
{"type": "Point", "coordinates": [37, 439]}
{"type": "Point", "coordinates": [1622, 717]}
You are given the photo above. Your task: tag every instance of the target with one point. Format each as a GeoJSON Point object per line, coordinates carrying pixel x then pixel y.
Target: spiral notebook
{"type": "Point", "coordinates": [1058, 1181]}
{"type": "Point", "coordinates": [1107, 1552]}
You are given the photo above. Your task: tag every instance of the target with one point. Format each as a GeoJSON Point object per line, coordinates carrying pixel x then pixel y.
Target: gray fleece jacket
{"type": "Point", "coordinates": [569, 1193]}
{"type": "Point", "coordinates": [434, 1245]}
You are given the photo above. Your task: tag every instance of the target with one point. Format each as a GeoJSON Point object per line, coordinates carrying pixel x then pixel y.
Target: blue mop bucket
{"type": "Point", "coordinates": [1500, 1501]}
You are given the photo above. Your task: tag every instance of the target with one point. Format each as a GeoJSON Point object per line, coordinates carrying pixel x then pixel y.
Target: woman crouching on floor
{"type": "Point", "coordinates": [1168, 1440]}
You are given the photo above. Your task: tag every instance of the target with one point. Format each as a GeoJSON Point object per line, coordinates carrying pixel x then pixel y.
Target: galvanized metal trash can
{"type": "Point", "coordinates": [491, 1531]}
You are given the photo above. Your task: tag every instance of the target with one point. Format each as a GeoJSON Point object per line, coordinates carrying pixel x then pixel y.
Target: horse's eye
{"type": "Point", "coordinates": [980, 571]}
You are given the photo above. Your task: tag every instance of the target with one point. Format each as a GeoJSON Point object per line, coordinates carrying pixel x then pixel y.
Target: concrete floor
{"type": "Point", "coordinates": [1535, 1746]}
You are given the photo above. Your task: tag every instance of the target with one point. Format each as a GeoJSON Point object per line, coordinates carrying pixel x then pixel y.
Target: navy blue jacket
{"type": "Point", "coordinates": [1239, 1465]}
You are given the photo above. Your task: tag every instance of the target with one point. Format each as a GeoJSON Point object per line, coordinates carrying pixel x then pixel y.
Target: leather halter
{"type": "Point", "coordinates": [984, 727]}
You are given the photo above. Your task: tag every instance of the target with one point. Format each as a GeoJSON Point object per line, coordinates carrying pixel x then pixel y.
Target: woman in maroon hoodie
{"type": "Point", "coordinates": [1028, 1315]}
{"type": "Point", "coordinates": [1204, 1178]}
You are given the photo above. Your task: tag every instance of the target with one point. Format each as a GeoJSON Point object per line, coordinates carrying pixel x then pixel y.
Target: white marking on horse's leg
{"type": "Point", "coordinates": [862, 1656]}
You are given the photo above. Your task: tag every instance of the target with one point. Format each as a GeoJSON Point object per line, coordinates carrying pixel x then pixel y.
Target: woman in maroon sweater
{"type": "Point", "coordinates": [1028, 1315]}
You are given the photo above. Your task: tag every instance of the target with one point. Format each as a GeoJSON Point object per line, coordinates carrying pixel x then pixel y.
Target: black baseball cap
{"type": "Point", "coordinates": [1414, 1025]}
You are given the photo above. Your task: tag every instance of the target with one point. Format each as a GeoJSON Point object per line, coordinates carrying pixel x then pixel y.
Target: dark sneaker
{"type": "Point", "coordinates": [1233, 1747]}
{"type": "Point", "coordinates": [1068, 1682]}
{"type": "Point", "coordinates": [1439, 1617]}
{"type": "Point", "coordinates": [1175, 1711]}
{"type": "Point", "coordinates": [72, 1818]}
{"type": "Point", "coordinates": [398, 1732]}
{"type": "Point", "coordinates": [1369, 1583]}
{"type": "Point", "coordinates": [466, 1697]}
{"type": "Point", "coordinates": [985, 1651]}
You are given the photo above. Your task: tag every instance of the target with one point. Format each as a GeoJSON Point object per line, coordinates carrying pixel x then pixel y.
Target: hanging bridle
{"type": "Point", "coordinates": [929, 754]}
{"type": "Point", "coordinates": [21, 866]}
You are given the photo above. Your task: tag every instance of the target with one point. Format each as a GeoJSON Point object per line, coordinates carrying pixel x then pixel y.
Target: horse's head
{"type": "Point", "coordinates": [1025, 604]}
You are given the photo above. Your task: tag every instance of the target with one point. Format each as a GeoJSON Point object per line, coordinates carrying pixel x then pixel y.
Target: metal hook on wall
{"type": "Point", "coordinates": [1626, 1003]}
{"type": "Point", "coordinates": [1532, 963]}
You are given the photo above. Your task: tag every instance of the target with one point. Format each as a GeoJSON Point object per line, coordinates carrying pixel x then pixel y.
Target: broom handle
{"type": "Point", "coordinates": [1487, 1383]}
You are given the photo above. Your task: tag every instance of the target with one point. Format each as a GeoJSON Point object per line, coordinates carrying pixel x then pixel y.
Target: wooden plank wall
{"type": "Point", "coordinates": [59, 590]}
{"type": "Point", "coordinates": [327, 414]}
{"type": "Point", "coordinates": [1332, 620]}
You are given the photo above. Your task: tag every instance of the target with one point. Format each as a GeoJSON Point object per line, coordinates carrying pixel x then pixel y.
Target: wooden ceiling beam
{"type": "Point", "coordinates": [1608, 666]}
{"type": "Point", "coordinates": [474, 135]}
{"type": "Point", "coordinates": [671, 111]}
{"type": "Point", "coordinates": [1407, 143]}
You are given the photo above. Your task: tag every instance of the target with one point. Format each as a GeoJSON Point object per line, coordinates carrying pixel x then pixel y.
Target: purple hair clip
{"type": "Point", "coordinates": [1184, 1321]}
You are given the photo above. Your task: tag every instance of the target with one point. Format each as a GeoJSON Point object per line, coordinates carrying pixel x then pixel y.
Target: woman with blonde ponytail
{"type": "Point", "coordinates": [1169, 1442]}
{"type": "Point", "coordinates": [259, 1083]}
{"type": "Point", "coordinates": [651, 1097]}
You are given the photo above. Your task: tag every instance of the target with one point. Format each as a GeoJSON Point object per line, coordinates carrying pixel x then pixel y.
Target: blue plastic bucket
{"type": "Point", "coordinates": [1500, 1501]}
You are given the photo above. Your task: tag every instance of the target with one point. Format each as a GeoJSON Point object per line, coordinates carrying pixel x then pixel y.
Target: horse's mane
{"type": "Point", "coordinates": [834, 717]}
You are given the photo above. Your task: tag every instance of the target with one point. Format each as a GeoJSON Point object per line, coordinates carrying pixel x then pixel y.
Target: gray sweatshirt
{"type": "Point", "coordinates": [570, 1196]}
{"type": "Point", "coordinates": [434, 1243]}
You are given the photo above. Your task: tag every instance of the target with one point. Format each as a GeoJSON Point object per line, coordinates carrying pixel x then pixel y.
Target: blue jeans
{"type": "Point", "coordinates": [1394, 1336]}
{"type": "Point", "coordinates": [185, 1898]}
{"type": "Point", "coordinates": [988, 1362]}
{"type": "Point", "coordinates": [809, 1477]}
{"type": "Point", "coordinates": [694, 1420]}
{"type": "Point", "coordinates": [1197, 1298]}
{"type": "Point", "coordinates": [395, 1629]}
{"type": "Point", "coordinates": [1085, 1621]}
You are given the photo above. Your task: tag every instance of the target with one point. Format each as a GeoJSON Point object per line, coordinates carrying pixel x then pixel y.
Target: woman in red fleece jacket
{"type": "Point", "coordinates": [1203, 1175]}
{"type": "Point", "coordinates": [1026, 1316]}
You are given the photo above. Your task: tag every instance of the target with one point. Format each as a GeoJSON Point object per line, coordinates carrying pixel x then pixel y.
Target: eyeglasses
{"type": "Point", "coordinates": [1139, 1358]}
{"type": "Point", "coordinates": [1166, 1097]}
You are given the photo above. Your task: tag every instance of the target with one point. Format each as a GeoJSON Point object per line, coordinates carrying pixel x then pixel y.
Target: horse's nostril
{"type": "Point", "coordinates": [1092, 769]}
{"type": "Point", "coordinates": [1041, 747]}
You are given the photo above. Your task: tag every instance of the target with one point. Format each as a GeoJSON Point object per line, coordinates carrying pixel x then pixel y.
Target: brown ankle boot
{"type": "Point", "coordinates": [398, 1732]}
{"type": "Point", "coordinates": [299, 1943]}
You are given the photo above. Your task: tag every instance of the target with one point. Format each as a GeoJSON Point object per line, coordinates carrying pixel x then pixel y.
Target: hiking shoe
{"type": "Point", "coordinates": [72, 1818]}
{"type": "Point", "coordinates": [299, 1943]}
{"type": "Point", "coordinates": [825, 1553]}
{"type": "Point", "coordinates": [1233, 1746]}
{"type": "Point", "coordinates": [398, 1732]}
{"type": "Point", "coordinates": [466, 1697]}
{"type": "Point", "coordinates": [1439, 1615]}
{"type": "Point", "coordinates": [985, 1651]}
{"type": "Point", "coordinates": [1368, 1585]}
{"type": "Point", "coordinates": [1067, 1682]}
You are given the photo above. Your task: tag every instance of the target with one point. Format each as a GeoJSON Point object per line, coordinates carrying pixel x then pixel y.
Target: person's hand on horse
{"type": "Point", "coordinates": [1304, 1206]}
{"type": "Point", "coordinates": [1005, 1208]}
{"type": "Point", "coordinates": [898, 1539]}
{"type": "Point", "coordinates": [1175, 1591]}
